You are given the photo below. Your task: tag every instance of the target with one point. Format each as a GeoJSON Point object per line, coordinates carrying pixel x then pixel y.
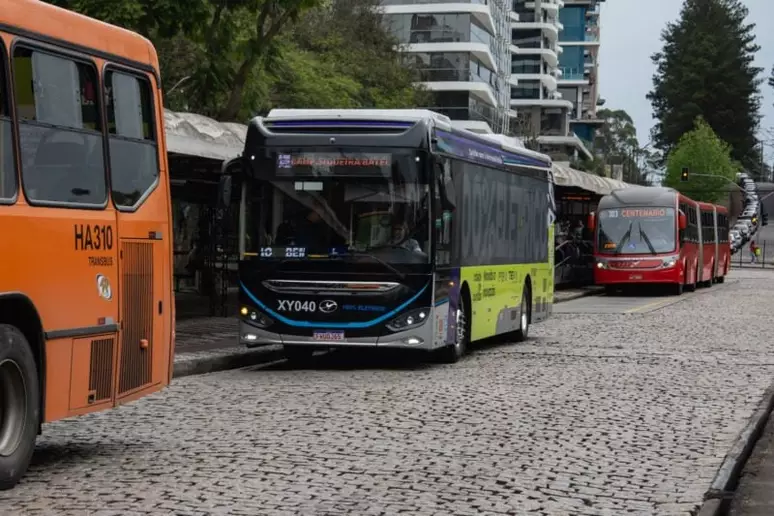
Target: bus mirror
{"type": "Point", "coordinates": [682, 221]}
{"type": "Point", "coordinates": [224, 191]}
{"type": "Point", "coordinates": [592, 221]}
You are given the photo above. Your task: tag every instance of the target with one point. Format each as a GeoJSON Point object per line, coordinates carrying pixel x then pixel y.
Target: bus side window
{"type": "Point", "coordinates": [60, 129]}
{"type": "Point", "coordinates": [7, 169]}
{"type": "Point", "coordinates": [134, 166]}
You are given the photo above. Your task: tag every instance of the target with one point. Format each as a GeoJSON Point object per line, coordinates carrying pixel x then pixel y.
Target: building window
{"type": "Point", "coordinates": [526, 90]}
{"type": "Point", "coordinates": [7, 168]}
{"type": "Point", "coordinates": [437, 28]}
{"type": "Point", "coordinates": [527, 64]}
{"type": "Point", "coordinates": [60, 131]}
{"type": "Point", "coordinates": [527, 38]}
{"type": "Point", "coordinates": [134, 168]}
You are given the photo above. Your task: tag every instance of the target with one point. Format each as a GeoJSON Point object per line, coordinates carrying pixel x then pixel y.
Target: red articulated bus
{"type": "Point", "coordinates": [657, 235]}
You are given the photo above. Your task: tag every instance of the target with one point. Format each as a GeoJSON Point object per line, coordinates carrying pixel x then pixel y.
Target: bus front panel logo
{"type": "Point", "coordinates": [328, 306]}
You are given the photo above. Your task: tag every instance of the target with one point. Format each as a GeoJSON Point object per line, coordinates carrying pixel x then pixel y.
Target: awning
{"type": "Point", "coordinates": [566, 176]}
{"type": "Point", "coordinates": [190, 134]}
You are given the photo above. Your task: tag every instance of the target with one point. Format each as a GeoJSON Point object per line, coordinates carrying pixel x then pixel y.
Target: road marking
{"type": "Point", "coordinates": [654, 305]}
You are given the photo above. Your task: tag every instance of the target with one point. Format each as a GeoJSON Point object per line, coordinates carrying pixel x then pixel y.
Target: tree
{"type": "Point", "coordinates": [615, 143]}
{"type": "Point", "coordinates": [215, 46]}
{"type": "Point", "coordinates": [234, 59]}
{"type": "Point", "coordinates": [703, 153]}
{"type": "Point", "coordinates": [706, 69]}
{"type": "Point", "coordinates": [323, 68]}
{"type": "Point", "coordinates": [523, 128]}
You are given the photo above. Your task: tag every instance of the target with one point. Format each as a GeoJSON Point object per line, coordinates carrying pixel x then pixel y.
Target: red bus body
{"type": "Point", "coordinates": [638, 239]}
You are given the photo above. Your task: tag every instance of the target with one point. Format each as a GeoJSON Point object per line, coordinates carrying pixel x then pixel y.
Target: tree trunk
{"type": "Point", "coordinates": [234, 102]}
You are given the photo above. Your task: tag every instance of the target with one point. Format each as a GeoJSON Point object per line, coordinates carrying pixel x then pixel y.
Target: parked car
{"type": "Point", "coordinates": [744, 230]}
{"type": "Point", "coordinates": [735, 237]}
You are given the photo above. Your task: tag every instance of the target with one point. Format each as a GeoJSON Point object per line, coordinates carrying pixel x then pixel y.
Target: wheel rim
{"type": "Point", "coordinates": [524, 314]}
{"type": "Point", "coordinates": [13, 404]}
{"type": "Point", "coordinates": [459, 344]}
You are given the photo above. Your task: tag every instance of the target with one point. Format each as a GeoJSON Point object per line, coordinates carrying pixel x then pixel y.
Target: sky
{"type": "Point", "coordinates": [631, 33]}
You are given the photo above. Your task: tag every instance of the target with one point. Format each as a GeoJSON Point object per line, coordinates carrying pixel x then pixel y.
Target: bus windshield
{"type": "Point", "coordinates": [636, 231]}
{"type": "Point", "coordinates": [338, 205]}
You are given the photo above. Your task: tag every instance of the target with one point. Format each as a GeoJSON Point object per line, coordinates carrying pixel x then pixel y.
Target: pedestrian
{"type": "Point", "coordinates": [754, 251]}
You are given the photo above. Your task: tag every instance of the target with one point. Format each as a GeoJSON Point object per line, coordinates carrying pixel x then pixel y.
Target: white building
{"type": "Point", "coordinates": [553, 74]}
{"type": "Point", "coordinates": [462, 50]}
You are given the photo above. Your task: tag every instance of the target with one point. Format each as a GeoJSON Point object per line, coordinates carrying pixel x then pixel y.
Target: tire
{"type": "Point", "coordinates": [298, 355]}
{"type": "Point", "coordinates": [19, 405]}
{"type": "Point", "coordinates": [525, 315]}
{"type": "Point", "coordinates": [452, 353]}
{"type": "Point", "coordinates": [678, 289]}
{"type": "Point", "coordinates": [692, 287]}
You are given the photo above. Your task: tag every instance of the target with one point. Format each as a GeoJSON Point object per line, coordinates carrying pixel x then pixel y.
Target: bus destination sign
{"type": "Point", "coordinates": [323, 162]}
{"type": "Point", "coordinates": [644, 213]}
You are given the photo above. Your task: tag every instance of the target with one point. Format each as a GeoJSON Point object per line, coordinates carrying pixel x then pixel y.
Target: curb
{"type": "Point", "coordinates": [578, 295]}
{"type": "Point", "coordinates": [222, 362]}
{"type": "Point", "coordinates": [719, 495]}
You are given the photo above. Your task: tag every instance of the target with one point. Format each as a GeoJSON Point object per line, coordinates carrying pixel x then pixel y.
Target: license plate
{"type": "Point", "coordinates": [635, 276]}
{"type": "Point", "coordinates": [329, 336]}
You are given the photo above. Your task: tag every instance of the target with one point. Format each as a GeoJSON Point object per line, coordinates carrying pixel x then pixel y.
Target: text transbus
{"type": "Point", "coordinates": [86, 306]}
{"type": "Point", "coordinates": [390, 229]}
{"type": "Point", "coordinates": [657, 235]}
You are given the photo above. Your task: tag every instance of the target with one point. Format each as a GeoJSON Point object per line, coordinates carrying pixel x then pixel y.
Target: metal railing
{"type": "Point", "coordinates": [744, 257]}
{"type": "Point", "coordinates": [574, 263]}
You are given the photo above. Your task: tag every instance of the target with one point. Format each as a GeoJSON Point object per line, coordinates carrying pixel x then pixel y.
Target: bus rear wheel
{"type": "Point", "coordinates": [525, 314]}
{"type": "Point", "coordinates": [19, 405]}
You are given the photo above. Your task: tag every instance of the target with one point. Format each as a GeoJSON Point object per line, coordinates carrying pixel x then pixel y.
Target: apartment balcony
{"type": "Point", "coordinates": [574, 76]}
{"type": "Point", "coordinates": [549, 29]}
{"type": "Point", "coordinates": [477, 8]}
{"type": "Point", "coordinates": [549, 55]}
{"type": "Point", "coordinates": [548, 81]}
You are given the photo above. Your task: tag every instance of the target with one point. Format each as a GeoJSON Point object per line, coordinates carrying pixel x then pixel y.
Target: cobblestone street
{"type": "Point", "coordinates": [598, 413]}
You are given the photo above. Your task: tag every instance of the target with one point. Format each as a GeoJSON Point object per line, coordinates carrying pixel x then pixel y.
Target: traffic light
{"type": "Point", "coordinates": [765, 221]}
{"type": "Point", "coordinates": [684, 174]}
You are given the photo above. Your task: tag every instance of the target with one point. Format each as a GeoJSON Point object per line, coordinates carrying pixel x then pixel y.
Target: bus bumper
{"type": "Point", "coordinates": [638, 276]}
{"type": "Point", "coordinates": [420, 337]}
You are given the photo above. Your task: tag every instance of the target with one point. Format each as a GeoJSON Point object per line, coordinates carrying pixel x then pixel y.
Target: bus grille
{"type": "Point", "coordinates": [137, 315]}
{"type": "Point", "coordinates": [635, 264]}
{"type": "Point", "coordinates": [101, 370]}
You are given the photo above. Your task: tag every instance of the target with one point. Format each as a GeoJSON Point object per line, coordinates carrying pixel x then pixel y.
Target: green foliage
{"type": "Point", "coordinates": [615, 143]}
{"type": "Point", "coordinates": [703, 153]}
{"type": "Point", "coordinates": [234, 59]}
{"type": "Point", "coordinates": [706, 69]}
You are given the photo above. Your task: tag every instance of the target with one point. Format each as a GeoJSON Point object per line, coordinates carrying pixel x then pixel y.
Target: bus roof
{"type": "Point", "coordinates": [411, 116]}
{"type": "Point", "coordinates": [648, 196]}
{"type": "Point", "coordinates": [40, 20]}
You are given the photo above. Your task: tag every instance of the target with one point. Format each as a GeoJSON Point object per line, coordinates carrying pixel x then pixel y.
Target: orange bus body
{"type": "Point", "coordinates": [88, 283]}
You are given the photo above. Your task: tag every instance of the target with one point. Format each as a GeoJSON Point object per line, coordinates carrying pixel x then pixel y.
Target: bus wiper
{"type": "Point", "coordinates": [624, 239]}
{"type": "Point", "coordinates": [645, 238]}
{"type": "Point", "coordinates": [355, 252]}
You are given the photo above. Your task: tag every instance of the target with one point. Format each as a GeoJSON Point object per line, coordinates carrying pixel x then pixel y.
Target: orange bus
{"type": "Point", "coordinates": [86, 302]}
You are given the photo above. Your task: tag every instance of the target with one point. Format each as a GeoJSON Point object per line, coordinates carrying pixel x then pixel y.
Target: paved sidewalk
{"type": "Point", "coordinates": [755, 494]}
{"type": "Point", "coordinates": [210, 344]}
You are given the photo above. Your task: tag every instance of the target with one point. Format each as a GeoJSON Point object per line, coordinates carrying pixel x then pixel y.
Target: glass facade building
{"type": "Point", "coordinates": [462, 51]}
{"type": "Point", "coordinates": [553, 85]}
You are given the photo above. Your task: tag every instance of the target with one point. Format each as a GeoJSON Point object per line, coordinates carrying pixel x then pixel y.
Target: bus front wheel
{"type": "Point", "coordinates": [19, 405]}
{"type": "Point", "coordinates": [452, 353]}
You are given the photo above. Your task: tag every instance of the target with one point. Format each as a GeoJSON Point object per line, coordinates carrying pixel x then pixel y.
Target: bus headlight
{"type": "Point", "coordinates": [255, 317]}
{"type": "Point", "coordinates": [669, 262]}
{"type": "Point", "coordinates": [408, 320]}
{"type": "Point", "coordinates": [601, 265]}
